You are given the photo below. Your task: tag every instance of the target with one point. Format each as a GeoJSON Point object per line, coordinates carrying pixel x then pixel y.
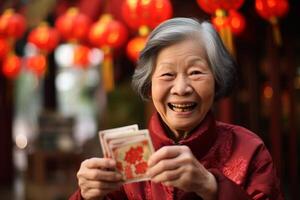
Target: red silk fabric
{"type": "Point", "coordinates": [237, 157]}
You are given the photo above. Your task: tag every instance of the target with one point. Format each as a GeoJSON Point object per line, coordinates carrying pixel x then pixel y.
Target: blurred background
{"type": "Point", "coordinates": [65, 73]}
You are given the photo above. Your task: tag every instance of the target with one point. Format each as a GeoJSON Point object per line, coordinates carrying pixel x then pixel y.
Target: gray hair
{"type": "Point", "coordinates": [176, 30]}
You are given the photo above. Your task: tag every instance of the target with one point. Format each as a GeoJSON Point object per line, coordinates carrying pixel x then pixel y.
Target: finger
{"type": "Point", "coordinates": [102, 185]}
{"type": "Point", "coordinates": [182, 182]}
{"type": "Point", "coordinates": [100, 175]}
{"type": "Point", "coordinates": [103, 163]}
{"type": "Point", "coordinates": [186, 180]}
{"type": "Point", "coordinates": [165, 152]}
{"type": "Point", "coordinates": [92, 193]}
{"type": "Point", "coordinates": [169, 183]}
{"type": "Point", "coordinates": [184, 156]}
{"type": "Point", "coordinates": [167, 176]}
{"type": "Point", "coordinates": [163, 165]}
{"type": "Point", "coordinates": [90, 184]}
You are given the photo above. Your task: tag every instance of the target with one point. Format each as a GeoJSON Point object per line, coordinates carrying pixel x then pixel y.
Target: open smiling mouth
{"type": "Point", "coordinates": [185, 107]}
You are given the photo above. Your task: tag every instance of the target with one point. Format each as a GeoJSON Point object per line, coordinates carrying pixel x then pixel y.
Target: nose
{"type": "Point", "coordinates": [181, 86]}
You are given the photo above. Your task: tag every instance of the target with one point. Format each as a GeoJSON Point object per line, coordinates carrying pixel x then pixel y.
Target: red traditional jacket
{"type": "Point", "coordinates": [237, 157]}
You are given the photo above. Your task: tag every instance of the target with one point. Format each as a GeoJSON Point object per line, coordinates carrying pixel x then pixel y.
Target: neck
{"type": "Point", "coordinates": [204, 135]}
{"type": "Point", "coordinates": [175, 135]}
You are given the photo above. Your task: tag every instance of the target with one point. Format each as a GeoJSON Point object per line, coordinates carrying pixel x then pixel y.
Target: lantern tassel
{"type": "Point", "coordinates": [228, 40]}
{"type": "Point", "coordinates": [45, 73]}
{"type": "Point", "coordinates": [225, 32]}
{"type": "Point", "coordinates": [276, 31]}
{"type": "Point", "coordinates": [107, 70]}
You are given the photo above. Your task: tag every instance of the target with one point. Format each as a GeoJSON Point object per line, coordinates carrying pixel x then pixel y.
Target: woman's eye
{"type": "Point", "coordinates": [195, 72]}
{"type": "Point", "coordinates": [167, 74]}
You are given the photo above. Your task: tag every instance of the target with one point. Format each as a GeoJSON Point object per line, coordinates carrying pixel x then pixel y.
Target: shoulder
{"type": "Point", "coordinates": [244, 143]}
{"type": "Point", "coordinates": [239, 134]}
{"type": "Point", "coordinates": [248, 152]}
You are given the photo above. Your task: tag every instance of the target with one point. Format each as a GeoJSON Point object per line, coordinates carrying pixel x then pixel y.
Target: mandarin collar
{"type": "Point", "coordinates": [200, 140]}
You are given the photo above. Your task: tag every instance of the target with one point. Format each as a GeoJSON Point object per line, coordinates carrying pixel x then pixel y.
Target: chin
{"type": "Point", "coordinates": [184, 128]}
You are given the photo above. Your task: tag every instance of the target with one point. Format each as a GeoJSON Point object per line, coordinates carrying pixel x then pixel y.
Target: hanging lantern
{"type": "Point", "coordinates": [146, 13]}
{"type": "Point", "coordinates": [235, 21]}
{"type": "Point", "coordinates": [268, 9]}
{"type": "Point", "coordinates": [271, 11]}
{"type": "Point", "coordinates": [37, 64]}
{"type": "Point", "coordinates": [220, 9]}
{"type": "Point", "coordinates": [212, 6]}
{"type": "Point", "coordinates": [81, 56]}
{"type": "Point", "coordinates": [12, 25]}
{"type": "Point", "coordinates": [4, 48]}
{"type": "Point", "coordinates": [135, 46]}
{"type": "Point", "coordinates": [72, 25]}
{"type": "Point", "coordinates": [219, 22]}
{"type": "Point", "coordinates": [142, 16]}
{"type": "Point", "coordinates": [11, 66]}
{"type": "Point", "coordinates": [44, 37]}
{"type": "Point", "coordinates": [107, 34]}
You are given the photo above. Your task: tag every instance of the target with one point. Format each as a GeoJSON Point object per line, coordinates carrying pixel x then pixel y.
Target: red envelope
{"type": "Point", "coordinates": [132, 156]}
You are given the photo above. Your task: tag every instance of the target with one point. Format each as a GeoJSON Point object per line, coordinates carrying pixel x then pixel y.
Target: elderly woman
{"type": "Point", "coordinates": [184, 69]}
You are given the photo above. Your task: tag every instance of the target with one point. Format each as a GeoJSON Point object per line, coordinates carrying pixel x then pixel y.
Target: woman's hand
{"type": "Point", "coordinates": [176, 166]}
{"type": "Point", "coordinates": [97, 177]}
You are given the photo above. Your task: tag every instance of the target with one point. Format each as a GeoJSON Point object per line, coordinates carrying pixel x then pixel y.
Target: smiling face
{"type": "Point", "coordinates": [182, 86]}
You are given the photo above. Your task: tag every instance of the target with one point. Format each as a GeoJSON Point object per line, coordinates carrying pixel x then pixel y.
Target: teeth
{"type": "Point", "coordinates": [182, 107]}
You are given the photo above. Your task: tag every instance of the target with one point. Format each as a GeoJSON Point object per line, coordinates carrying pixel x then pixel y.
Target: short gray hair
{"type": "Point", "coordinates": [176, 30]}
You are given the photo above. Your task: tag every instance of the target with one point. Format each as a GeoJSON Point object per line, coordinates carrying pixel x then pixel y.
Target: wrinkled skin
{"type": "Point", "coordinates": [182, 91]}
{"type": "Point", "coordinates": [96, 178]}
{"type": "Point", "coordinates": [176, 166]}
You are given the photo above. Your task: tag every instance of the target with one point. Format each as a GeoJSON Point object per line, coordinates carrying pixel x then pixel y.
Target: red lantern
{"type": "Point", "coordinates": [146, 13]}
{"type": "Point", "coordinates": [135, 46]}
{"type": "Point", "coordinates": [268, 9]}
{"type": "Point", "coordinates": [81, 56]}
{"type": "Point", "coordinates": [236, 22]}
{"type": "Point", "coordinates": [11, 66]}
{"type": "Point", "coordinates": [211, 6]}
{"type": "Point", "coordinates": [107, 32]}
{"type": "Point", "coordinates": [37, 64]}
{"type": "Point", "coordinates": [271, 10]}
{"type": "Point", "coordinates": [12, 24]}
{"type": "Point", "coordinates": [73, 25]}
{"type": "Point", "coordinates": [4, 48]}
{"type": "Point", "coordinates": [44, 37]}
{"type": "Point", "coordinates": [219, 22]}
